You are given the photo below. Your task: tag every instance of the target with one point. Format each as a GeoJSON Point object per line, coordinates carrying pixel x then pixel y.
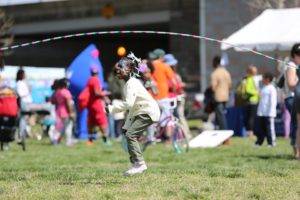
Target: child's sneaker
{"type": "Point", "coordinates": [90, 143]}
{"type": "Point", "coordinates": [136, 169]}
{"type": "Point", "coordinates": [71, 143]}
{"type": "Point", "coordinates": [271, 145]}
{"type": "Point", "coordinates": [257, 145]}
{"type": "Point", "coordinates": [5, 146]}
{"type": "Point", "coordinates": [107, 143]}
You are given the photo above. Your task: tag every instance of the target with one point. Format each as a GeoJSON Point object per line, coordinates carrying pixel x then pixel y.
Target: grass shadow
{"type": "Point", "coordinates": [274, 157]}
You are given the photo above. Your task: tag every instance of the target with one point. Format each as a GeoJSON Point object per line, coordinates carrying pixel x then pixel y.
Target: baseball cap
{"type": "Point", "coordinates": [94, 68]}
{"type": "Point", "coordinates": [159, 52]}
{"type": "Point", "coordinates": [169, 59]}
{"type": "Point", "coordinates": [152, 56]}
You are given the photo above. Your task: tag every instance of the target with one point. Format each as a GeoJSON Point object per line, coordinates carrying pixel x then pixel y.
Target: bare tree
{"type": "Point", "coordinates": [6, 38]}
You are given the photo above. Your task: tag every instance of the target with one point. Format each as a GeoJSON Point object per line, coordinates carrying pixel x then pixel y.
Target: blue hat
{"type": "Point", "coordinates": [169, 59]}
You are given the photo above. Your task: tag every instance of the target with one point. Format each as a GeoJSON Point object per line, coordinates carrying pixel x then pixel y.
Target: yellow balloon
{"type": "Point", "coordinates": [121, 51]}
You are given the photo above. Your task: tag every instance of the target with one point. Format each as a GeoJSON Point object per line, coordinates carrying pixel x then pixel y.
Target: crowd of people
{"type": "Point", "coordinates": [260, 101]}
{"type": "Point", "coordinates": [137, 98]}
{"type": "Point", "coordinates": [146, 88]}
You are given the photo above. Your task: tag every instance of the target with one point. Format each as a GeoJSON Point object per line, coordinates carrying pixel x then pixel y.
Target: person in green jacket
{"type": "Point", "coordinates": [250, 93]}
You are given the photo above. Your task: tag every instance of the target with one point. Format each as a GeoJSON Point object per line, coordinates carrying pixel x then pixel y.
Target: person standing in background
{"type": "Point", "coordinates": [65, 110]}
{"type": "Point", "coordinates": [115, 87]}
{"type": "Point", "coordinates": [287, 95]}
{"type": "Point", "coordinates": [180, 94]}
{"type": "Point", "coordinates": [220, 81]}
{"type": "Point", "coordinates": [293, 76]}
{"type": "Point", "coordinates": [161, 75]}
{"type": "Point", "coordinates": [251, 95]}
{"type": "Point", "coordinates": [97, 120]}
{"type": "Point", "coordinates": [24, 94]}
{"type": "Point", "coordinates": [266, 112]}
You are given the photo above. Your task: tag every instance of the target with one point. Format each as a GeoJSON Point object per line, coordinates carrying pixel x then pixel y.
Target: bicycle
{"type": "Point", "coordinates": [179, 137]}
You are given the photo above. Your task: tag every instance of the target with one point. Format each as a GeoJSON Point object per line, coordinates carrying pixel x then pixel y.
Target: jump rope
{"type": "Point", "coordinates": [35, 42]}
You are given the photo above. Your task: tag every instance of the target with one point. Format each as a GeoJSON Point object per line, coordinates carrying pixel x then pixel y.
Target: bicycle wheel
{"type": "Point", "coordinates": [179, 139]}
{"type": "Point", "coordinates": [144, 142]}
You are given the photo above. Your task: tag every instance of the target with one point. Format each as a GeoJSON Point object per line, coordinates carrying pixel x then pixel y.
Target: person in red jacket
{"type": "Point", "coordinates": [97, 121]}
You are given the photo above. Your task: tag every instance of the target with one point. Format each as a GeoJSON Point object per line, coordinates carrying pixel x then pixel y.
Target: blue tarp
{"type": "Point", "coordinates": [236, 117]}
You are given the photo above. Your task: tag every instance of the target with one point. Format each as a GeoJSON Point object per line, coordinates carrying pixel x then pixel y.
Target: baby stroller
{"type": "Point", "coordinates": [8, 116]}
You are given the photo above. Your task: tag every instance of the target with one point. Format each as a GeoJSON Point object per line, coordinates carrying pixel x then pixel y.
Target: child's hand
{"type": "Point", "coordinates": [106, 100]}
{"type": "Point", "coordinates": [73, 116]}
{"type": "Point", "coordinates": [105, 93]}
{"type": "Point", "coordinates": [106, 109]}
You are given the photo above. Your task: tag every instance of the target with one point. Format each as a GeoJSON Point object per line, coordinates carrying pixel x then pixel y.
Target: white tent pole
{"type": "Point", "coordinates": [202, 46]}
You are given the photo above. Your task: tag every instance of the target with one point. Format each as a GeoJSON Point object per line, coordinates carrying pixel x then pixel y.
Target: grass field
{"type": "Point", "coordinates": [237, 171]}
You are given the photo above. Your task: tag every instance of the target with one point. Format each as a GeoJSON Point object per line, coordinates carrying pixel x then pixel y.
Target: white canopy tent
{"type": "Point", "coordinates": [272, 30]}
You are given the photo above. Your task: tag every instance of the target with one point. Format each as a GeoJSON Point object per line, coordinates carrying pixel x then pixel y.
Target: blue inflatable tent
{"type": "Point", "coordinates": [78, 74]}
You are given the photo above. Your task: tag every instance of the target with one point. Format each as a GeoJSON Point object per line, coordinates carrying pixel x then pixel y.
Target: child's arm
{"type": "Point", "coordinates": [101, 93]}
{"type": "Point", "coordinates": [130, 96]}
{"type": "Point", "coordinates": [292, 78]}
{"type": "Point", "coordinates": [128, 121]}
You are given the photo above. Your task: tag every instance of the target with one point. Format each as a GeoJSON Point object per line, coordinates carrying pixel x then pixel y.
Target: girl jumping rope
{"type": "Point", "coordinates": [142, 110]}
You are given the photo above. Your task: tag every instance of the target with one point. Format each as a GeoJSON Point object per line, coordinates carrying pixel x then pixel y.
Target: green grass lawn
{"type": "Point", "coordinates": [237, 171]}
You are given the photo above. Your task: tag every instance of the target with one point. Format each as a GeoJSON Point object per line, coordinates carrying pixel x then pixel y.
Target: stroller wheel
{"type": "Point", "coordinates": [4, 146]}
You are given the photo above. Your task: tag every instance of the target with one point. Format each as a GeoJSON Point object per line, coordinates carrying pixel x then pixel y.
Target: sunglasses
{"type": "Point", "coordinates": [122, 64]}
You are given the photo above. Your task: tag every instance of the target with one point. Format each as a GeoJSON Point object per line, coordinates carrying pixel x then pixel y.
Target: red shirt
{"type": "Point", "coordinates": [179, 89]}
{"type": "Point", "coordinates": [95, 103]}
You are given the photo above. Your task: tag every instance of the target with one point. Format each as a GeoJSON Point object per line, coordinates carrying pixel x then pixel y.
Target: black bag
{"type": "Point", "coordinates": [280, 81]}
{"type": "Point", "coordinates": [209, 100]}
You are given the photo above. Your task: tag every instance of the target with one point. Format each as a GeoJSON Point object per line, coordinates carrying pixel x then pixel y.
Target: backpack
{"type": "Point", "coordinates": [280, 81]}
{"type": "Point", "coordinates": [83, 99]}
{"type": "Point", "coordinates": [209, 100]}
{"type": "Point", "coordinates": [240, 94]}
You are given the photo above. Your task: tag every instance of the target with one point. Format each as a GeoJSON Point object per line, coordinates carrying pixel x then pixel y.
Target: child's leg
{"type": "Point", "coordinates": [111, 126]}
{"type": "Point", "coordinates": [270, 131]}
{"type": "Point", "coordinates": [140, 123]}
{"type": "Point", "coordinates": [69, 132]}
{"type": "Point", "coordinates": [90, 133]}
{"type": "Point", "coordinates": [22, 126]}
{"type": "Point", "coordinates": [67, 129]}
{"type": "Point", "coordinates": [118, 128]}
{"type": "Point", "coordinates": [101, 121]}
{"type": "Point", "coordinates": [260, 131]}
{"type": "Point", "coordinates": [103, 130]}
